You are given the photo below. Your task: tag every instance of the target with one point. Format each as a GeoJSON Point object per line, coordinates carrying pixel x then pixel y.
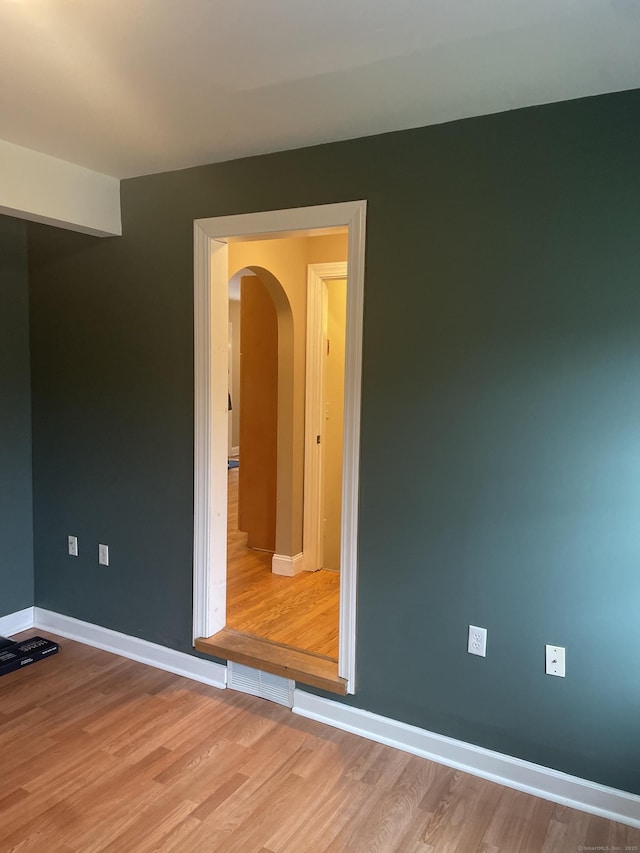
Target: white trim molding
{"type": "Point", "coordinates": [13, 623]}
{"type": "Point", "coordinates": [351, 452]}
{"type": "Point", "coordinates": [525, 776]}
{"type": "Point", "coordinates": [161, 657]}
{"type": "Point", "coordinates": [287, 566]}
{"type": "Point", "coordinates": [317, 276]}
{"type": "Point", "coordinates": [211, 419]}
{"type": "Point", "coordinates": [211, 294]}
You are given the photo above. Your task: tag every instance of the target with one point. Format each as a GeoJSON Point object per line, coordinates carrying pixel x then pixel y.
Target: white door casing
{"type": "Point", "coordinates": [211, 238]}
{"type": "Point", "coordinates": [317, 276]}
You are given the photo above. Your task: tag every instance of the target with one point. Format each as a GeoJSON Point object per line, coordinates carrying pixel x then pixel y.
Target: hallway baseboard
{"type": "Point", "coordinates": [287, 566]}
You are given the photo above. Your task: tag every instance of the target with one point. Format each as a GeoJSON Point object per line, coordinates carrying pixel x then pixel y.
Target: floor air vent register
{"type": "Point", "coordinates": [259, 683]}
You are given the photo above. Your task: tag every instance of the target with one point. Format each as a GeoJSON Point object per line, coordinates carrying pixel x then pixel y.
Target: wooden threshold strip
{"type": "Point", "coordinates": [304, 667]}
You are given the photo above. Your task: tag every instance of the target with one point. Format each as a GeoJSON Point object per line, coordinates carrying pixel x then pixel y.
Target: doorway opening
{"type": "Point", "coordinates": [263, 326]}
{"type": "Point", "coordinates": [269, 593]}
{"type": "Point", "coordinates": [214, 240]}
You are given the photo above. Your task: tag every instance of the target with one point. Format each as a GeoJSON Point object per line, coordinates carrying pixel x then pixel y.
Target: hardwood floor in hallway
{"type": "Point", "coordinates": [301, 611]}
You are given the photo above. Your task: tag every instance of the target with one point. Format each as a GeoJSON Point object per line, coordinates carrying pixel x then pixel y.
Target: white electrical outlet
{"type": "Point", "coordinates": [72, 544]}
{"type": "Point", "coordinates": [477, 642]}
{"type": "Point", "coordinates": [555, 660]}
{"type": "Point", "coordinates": [103, 555]}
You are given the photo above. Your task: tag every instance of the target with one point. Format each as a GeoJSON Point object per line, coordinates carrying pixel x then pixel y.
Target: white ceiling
{"type": "Point", "coordinates": [130, 87]}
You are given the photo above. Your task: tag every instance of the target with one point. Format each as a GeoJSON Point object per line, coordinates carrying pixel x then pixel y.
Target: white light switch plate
{"type": "Point", "coordinates": [103, 555]}
{"type": "Point", "coordinates": [555, 658]}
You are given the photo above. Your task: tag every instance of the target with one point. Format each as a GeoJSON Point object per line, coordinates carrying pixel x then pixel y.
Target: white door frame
{"type": "Point", "coordinates": [211, 237]}
{"type": "Point", "coordinates": [317, 277]}
{"type": "Point", "coordinates": [230, 384]}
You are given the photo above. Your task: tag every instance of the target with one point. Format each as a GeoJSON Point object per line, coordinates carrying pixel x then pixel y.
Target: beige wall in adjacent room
{"type": "Point", "coordinates": [327, 249]}
{"type": "Point", "coordinates": [287, 259]}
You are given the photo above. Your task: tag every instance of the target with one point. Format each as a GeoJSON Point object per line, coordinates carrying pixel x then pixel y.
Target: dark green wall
{"type": "Point", "coordinates": [500, 426]}
{"type": "Point", "coordinates": [16, 522]}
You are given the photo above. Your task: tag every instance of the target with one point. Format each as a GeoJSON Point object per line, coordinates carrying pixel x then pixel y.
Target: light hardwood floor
{"type": "Point", "coordinates": [104, 754]}
{"type": "Point", "coordinates": [301, 612]}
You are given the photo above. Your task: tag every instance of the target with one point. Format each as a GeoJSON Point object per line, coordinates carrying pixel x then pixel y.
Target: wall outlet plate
{"type": "Point", "coordinates": [103, 555]}
{"type": "Point", "coordinates": [72, 546]}
{"type": "Point", "coordinates": [477, 641]}
{"type": "Point", "coordinates": [555, 660]}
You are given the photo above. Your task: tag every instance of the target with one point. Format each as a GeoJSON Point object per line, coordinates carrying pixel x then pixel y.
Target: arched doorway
{"type": "Point", "coordinates": [266, 490]}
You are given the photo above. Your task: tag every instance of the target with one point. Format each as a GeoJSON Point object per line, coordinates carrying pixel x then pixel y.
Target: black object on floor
{"type": "Point", "coordinates": [234, 463]}
{"type": "Point", "coordinates": [25, 652]}
{"type": "Point", "coordinates": [5, 641]}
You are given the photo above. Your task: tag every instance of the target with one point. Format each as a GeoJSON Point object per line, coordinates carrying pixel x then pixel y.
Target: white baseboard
{"type": "Point", "coordinates": [505, 770]}
{"type": "Point", "coordinates": [13, 623]}
{"type": "Point", "coordinates": [512, 772]}
{"type": "Point", "coordinates": [288, 566]}
{"type": "Point", "coordinates": [205, 671]}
